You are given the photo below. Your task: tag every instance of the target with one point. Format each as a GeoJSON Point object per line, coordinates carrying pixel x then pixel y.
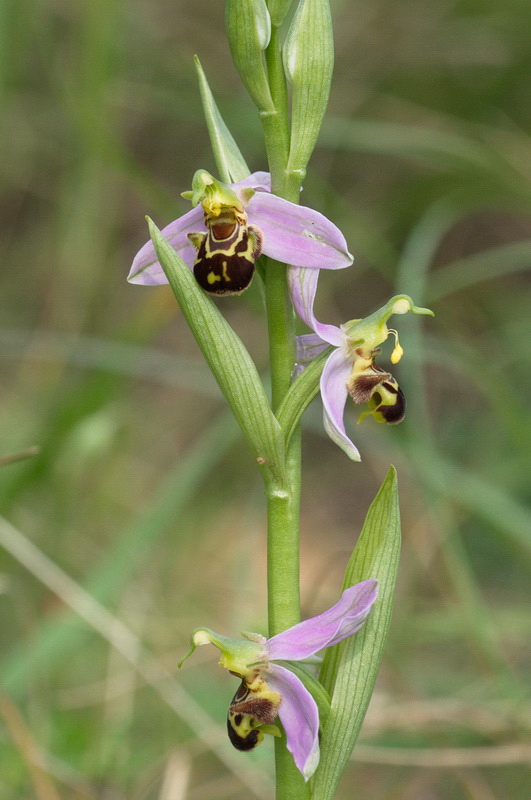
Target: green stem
{"type": "Point", "coordinates": [283, 503]}
{"type": "Point", "coordinates": [281, 328]}
{"type": "Point", "coordinates": [283, 555]}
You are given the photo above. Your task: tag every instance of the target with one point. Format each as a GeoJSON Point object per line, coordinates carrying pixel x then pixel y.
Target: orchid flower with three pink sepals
{"type": "Point", "coordinates": [351, 368]}
{"type": "Point", "coordinates": [269, 688]}
{"type": "Point", "coordinates": [231, 225]}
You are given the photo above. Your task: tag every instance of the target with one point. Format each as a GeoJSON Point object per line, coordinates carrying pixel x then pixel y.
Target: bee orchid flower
{"type": "Point", "coordinates": [231, 225]}
{"type": "Point", "coordinates": [351, 368]}
{"type": "Point", "coordinates": [269, 689]}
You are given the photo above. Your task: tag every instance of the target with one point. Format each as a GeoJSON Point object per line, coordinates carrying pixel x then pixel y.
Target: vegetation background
{"type": "Point", "coordinates": [141, 516]}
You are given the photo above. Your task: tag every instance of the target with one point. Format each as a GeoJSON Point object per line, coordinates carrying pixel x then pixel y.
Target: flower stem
{"type": "Point", "coordinates": [283, 502]}
{"type": "Point", "coordinates": [283, 549]}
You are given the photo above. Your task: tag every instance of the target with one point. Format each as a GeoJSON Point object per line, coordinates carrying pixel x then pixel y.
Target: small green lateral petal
{"type": "Point", "coordinates": [213, 195]}
{"type": "Point", "coordinates": [350, 668]}
{"type": "Point", "coordinates": [229, 161]}
{"type": "Point", "coordinates": [229, 361]}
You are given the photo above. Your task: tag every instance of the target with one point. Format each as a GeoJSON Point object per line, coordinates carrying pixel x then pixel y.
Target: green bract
{"type": "Point", "coordinates": [278, 10]}
{"type": "Point", "coordinates": [308, 62]}
{"type": "Point", "coordinates": [229, 161]}
{"type": "Point", "coordinates": [300, 395]}
{"type": "Point", "coordinates": [229, 361]}
{"type": "Point", "coordinates": [248, 30]}
{"type": "Point", "coordinates": [350, 668]}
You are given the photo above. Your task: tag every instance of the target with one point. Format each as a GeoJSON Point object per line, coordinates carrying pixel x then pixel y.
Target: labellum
{"type": "Point", "coordinates": [251, 713]}
{"type": "Point", "coordinates": [226, 254]}
{"type": "Point", "coordinates": [370, 384]}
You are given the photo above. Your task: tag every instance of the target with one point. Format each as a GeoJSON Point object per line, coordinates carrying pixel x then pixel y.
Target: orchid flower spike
{"type": "Point", "coordinates": [268, 689]}
{"type": "Point", "coordinates": [351, 369]}
{"type": "Point", "coordinates": [231, 225]}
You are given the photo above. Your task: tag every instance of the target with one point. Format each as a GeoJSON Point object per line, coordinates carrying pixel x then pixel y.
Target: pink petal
{"type": "Point", "coordinates": [300, 718]}
{"type": "Point", "coordinates": [334, 395]}
{"type": "Point", "coordinates": [258, 180]}
{"type": "Point", "coordinates": [308, 347]}
{"type": "Point", "coordinates": [296, 234]}
{"type": "Point", "coordinates": [146, 269]}
{"type": "Point", "coordinates": [329, 628]}
{"type": "Point", "coordinates": [303, 286]}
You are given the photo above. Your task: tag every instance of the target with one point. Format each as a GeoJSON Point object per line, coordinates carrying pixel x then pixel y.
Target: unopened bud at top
{"type": "Point", "coordinates": [248, 27]}
{"type": "Point", "coordinates": [308, 62]}
{"type": "Point", "coordinates": [278, 10]}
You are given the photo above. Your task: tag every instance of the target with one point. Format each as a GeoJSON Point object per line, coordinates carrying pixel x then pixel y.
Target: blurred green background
{"type": "Point", "coordinates": [142, 518]}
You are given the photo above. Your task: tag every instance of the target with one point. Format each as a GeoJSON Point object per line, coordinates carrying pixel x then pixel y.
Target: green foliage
{"type": "Point", "coordinates": [229, 161]}
{"type": "Point", "coordinates": [300, 395]}
{"type": "Point", "coordinates": [229, 361]}
{"type": "Point", "coordinates": [350, 669]}
{"type": "Point", "coordinates": [423, 163]}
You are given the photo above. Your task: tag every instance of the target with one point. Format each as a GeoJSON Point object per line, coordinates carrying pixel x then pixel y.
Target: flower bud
{"type": "Point", "coordinates": [278, 10]}
{"type": "Point", "coordinates": [308, 62]}
{"type": "Point", "coordinates": [248, 30]}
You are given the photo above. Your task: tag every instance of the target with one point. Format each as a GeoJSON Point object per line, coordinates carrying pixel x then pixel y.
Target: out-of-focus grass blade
{"type": "Point", "coordinates": [482, 497]}
{"type": "Point", "coordinates": [11, 458]}
{"type": "Point", "coordinates": [125, 641]}
{"type": "Point", "coordinates": [229, 360]}
{"type": "Point", "coordinates": [58, 636]}
{"type": "Point", "coordinates": [494, 262]}
{"type": "Point", "coordinates": [350, 669]}
{"type": "Point", "coordinates": [444, 149]}
{"type": "Point", "coordinates": [230, 162]}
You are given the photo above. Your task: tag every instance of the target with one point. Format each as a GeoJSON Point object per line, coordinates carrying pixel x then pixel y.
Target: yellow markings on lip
{"type": "Point", "coordinates": [226, 265]}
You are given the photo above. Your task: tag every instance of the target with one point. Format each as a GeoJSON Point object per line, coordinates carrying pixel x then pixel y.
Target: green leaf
{"type": "Point", "coordinates": [229, 161]}
{"type": "Point", "coordinates": [229, 361]}
{"type": "Point", "coordinates": [300, 395]}
{"type": "Point", "coordinates": [349, 669]}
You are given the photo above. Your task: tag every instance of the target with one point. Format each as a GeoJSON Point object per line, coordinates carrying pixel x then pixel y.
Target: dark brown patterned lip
{"type": "Point", "coordinates": [393, 414]}
{"type": "Point", "coordinates": [259, 707]}
{"type": "Point", "coordinates": [244, 743]}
